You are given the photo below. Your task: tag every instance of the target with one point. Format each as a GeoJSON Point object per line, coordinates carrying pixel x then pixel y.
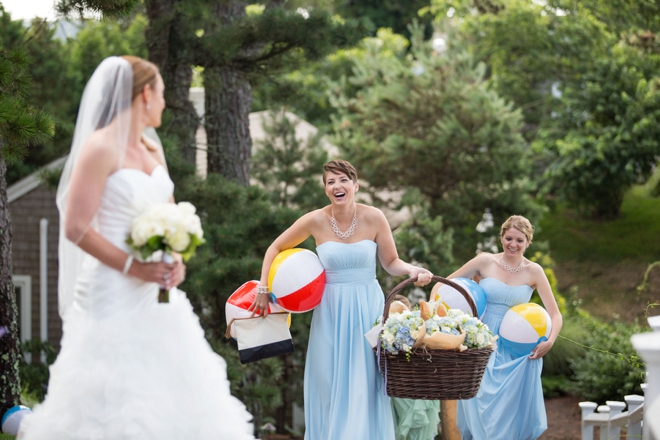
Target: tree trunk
{"type": "Point", "coordinates": [167, 51]}
{"type": "Point", "coordinates": [227, 101]}
{"type": "Point", "coordinates": [10, 388]}
{"type": "Point", "coordinates": [228, 98]}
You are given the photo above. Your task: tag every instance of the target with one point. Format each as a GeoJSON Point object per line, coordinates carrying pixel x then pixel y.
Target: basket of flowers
{"type": "Point", "coordinates": [432, 353]}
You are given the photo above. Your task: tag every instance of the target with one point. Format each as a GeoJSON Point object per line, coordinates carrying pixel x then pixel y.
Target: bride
{"type": "Point", "coordinates": [129, 367]}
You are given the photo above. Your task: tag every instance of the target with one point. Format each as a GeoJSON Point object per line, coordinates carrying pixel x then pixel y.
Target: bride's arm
{"type": "Point", "coordinates": [88, 180]}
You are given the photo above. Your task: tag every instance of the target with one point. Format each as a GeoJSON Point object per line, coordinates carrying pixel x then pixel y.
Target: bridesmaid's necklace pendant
{"type": "Point", "coordinates": [349, 231]}
{"type": "Point", "coordinates": [510, 269]}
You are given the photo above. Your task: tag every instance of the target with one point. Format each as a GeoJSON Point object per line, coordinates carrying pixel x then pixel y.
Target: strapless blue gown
{"type": "Point", "coordinates": [509, 405]}
{"type": "Point", "coordinates": [344, 391]}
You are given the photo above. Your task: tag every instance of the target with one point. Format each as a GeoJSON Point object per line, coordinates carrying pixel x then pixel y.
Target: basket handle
{"type": "Point", "coordinates": [400, 286]}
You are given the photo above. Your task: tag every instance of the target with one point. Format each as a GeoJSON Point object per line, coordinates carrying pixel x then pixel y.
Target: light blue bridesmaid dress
{"type": "Point", "coordinates": [344, 396]}
{"type": "Point", "coordinates": [509, 404]}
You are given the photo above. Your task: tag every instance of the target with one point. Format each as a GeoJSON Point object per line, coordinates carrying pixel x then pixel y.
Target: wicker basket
{"type": "Point", "coordinates": [433, 374]}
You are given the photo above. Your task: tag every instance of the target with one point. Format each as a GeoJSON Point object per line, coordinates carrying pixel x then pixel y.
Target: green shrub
{"type": "Point", "coordinates": [554, 386]}
{"type": "Point", "coordinates": [34, 375]}
{"type": "Point", "coordinates": [557, 362]}
{"type": "Point", "coordinates": [610, 368]}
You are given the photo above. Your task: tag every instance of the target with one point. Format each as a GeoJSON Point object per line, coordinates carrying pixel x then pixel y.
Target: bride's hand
{"type": "Point", "coordinates": [423, 276]}
{"type": "Point", "coordinates": [178, 275]}
{"type": "Point", "coordinates": [167, 275]}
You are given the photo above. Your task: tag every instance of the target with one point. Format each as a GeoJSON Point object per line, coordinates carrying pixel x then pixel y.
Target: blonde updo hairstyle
{"type": "Point", "coordinates": [521, 224]}
{"type": "Point", "coordinates": [144, 72]}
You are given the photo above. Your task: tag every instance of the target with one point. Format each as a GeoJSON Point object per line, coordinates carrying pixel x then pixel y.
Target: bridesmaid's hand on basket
{"type": "Point", "coordinates": [423, 276]}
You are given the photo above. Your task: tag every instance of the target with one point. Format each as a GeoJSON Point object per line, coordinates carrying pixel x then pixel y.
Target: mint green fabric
{"type": "Point", "coordinates": [415, 419]}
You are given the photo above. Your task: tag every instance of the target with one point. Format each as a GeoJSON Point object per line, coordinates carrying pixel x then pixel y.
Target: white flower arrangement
{"type": "Point", "coordinates": [477, 334]}
{"type": "Point", "coordinates": [443, 324]}
{"type": "Point", "coordinates": [167, 227]}
{"type": "Point", "coordinates": [401, 331]}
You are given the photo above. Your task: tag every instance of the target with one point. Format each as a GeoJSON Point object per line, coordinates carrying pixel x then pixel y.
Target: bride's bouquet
{"type": "Point", "coordinates": [168, 228]}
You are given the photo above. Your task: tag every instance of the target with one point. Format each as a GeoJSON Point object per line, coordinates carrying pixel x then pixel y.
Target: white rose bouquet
{"type": "Point", "coordinates": [168, 228]}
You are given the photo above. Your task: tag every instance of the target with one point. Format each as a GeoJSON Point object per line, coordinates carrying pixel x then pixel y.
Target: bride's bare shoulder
{"type": "Point", "coordinates": [100, 152]}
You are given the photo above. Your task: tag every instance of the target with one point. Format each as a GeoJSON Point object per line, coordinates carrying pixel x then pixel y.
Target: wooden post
{"type": "Point", "coordinates": [448, 420]}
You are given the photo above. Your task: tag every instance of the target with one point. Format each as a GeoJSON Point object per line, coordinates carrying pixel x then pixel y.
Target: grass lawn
{"type": "Point", "coordinates": [6, 437]}
{"type": "Point", "coordinates": [606, 260]}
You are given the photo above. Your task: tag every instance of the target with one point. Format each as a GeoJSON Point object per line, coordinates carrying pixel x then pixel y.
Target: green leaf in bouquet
{"type": "Point", "coordinates": [192, 247]}
{"type": "Point", "coordinates": [156, 243]}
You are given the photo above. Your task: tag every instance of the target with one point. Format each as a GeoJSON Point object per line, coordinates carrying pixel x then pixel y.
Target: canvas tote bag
{"type": "Point", "coordinates": [260, 338]}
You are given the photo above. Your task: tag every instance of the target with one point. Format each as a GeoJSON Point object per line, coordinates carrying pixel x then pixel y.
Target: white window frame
{"type": "Point", "coordinates": [25, 283]}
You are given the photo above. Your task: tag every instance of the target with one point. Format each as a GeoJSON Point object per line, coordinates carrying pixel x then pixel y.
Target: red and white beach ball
{"type": "Point", "coordinates": [240, 301]}
{"type": "Point", "coordinates": [453, 299]}
{"type": "Point", "coordinates": [297, 280]}
{"type": "Point", "coordinates": [524, 326]}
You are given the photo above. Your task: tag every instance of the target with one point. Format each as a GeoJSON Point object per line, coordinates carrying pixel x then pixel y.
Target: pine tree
{"type": "Point", "coordinates": [431, 122]}
{"type": "Point", "coordinates": [20, 126]}
{"type": "Point", "coordinates": [233, 47]}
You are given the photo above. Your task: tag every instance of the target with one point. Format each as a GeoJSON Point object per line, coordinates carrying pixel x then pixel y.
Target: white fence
{"type": "Point", "coordinates": [642, 417]}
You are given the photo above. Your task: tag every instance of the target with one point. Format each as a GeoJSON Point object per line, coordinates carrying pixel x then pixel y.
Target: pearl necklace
{"type": "Point", "coordinates": [509, 268]}
{"type": "Point", "coordinates": [349, 231]}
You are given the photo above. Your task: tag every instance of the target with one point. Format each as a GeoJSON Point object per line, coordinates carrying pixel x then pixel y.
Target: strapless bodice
{"type": "Point", "coordinates": [101, 290]}
{"type": "Point", "coordinates": [500, 297]}
{"type": "Point", "coordinates": [348, 263]}
{"type": "Point", "coordinates": [129, 192]}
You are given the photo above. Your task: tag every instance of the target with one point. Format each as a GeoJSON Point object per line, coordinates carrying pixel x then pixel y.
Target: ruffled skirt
{"type": "Point", "coordinates": [147, 373]}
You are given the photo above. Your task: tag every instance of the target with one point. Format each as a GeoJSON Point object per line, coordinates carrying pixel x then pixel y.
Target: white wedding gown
{"type": "Point", "coordinates": [129, 367]}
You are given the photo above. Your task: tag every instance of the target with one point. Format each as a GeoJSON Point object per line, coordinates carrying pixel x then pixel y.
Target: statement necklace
{"type": "Point", "coordinates": [509, 268]}
{"type": "Point", "coordinates": [349, 231]}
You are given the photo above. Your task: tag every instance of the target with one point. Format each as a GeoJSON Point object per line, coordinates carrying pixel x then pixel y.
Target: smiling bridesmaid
{"type": "Point", "coordinates": [344, 396]}
{"type": "Point", "coordinates": [509, 405]}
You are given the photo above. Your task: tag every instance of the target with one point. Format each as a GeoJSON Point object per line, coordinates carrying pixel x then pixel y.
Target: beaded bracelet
{"type": "Point", "coordinates": [127, 264]}
{"type": "Point", "coordinates": [262, 290]}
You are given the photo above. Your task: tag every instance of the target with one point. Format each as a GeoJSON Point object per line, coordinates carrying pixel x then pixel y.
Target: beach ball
{"type": "Point", "coordinates": [523, 327]}
{"type": "Point", "coordinates": [11, 421]}
{"type": "Point", "coordinates": [240, 301]}
{"type": "Point", "coordinates": [453, 299]}
{"type": "Point", "coordinates": [297, 280]}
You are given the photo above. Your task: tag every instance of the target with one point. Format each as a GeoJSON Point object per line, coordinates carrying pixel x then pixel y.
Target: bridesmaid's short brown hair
{"type": "Point", "coordinates": [340, 166]}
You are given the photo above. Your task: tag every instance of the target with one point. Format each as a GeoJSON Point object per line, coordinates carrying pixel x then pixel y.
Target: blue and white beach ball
{"type": "Point", "coordinates": [523, 327]}
{"type": "Point", "coordinates": [453, 299]}
{"type": "Point", "coordinates": [11, 421]}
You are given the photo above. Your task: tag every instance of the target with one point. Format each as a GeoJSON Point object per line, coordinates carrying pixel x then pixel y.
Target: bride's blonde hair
{"type": "Point", "coordinates": [144, 72]}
